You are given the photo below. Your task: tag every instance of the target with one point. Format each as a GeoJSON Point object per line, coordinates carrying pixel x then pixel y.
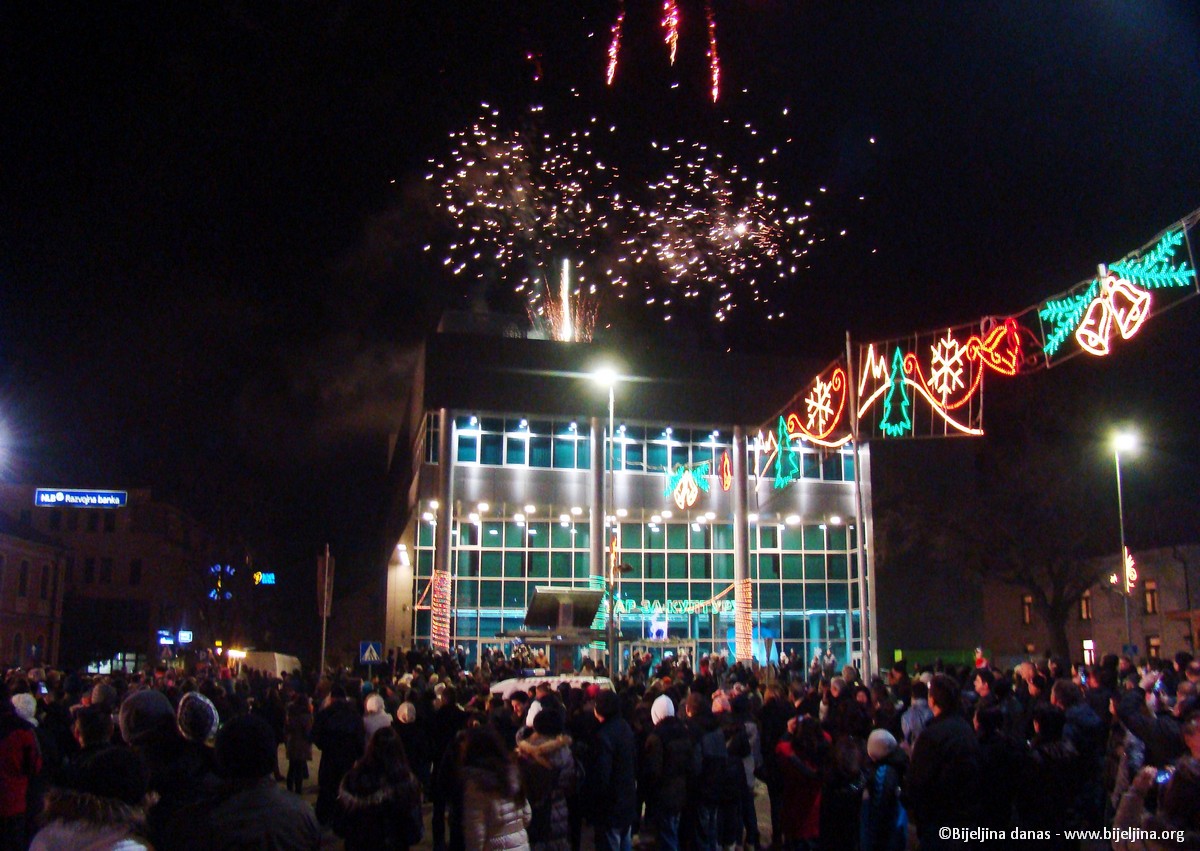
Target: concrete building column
{"type": "Point", "coordinates": [743, 588]}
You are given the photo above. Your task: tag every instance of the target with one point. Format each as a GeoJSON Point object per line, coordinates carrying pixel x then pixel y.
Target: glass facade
{"type": "Point", "coordinates": [803, 569]}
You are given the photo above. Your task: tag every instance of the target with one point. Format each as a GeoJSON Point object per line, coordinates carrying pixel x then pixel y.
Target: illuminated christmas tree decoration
{"type": "Point", "coordinates": [787, 462]}
{"type": "Point", "coordinates": [440, 611]}
{"type": "Point", "coordinates": [896, 423]}
{"type": "Point", "coordinates": [1064, 314]}
{"type": "Point", "coordinates": [726, 471]}
{"type": "Point", "coordinates": [1154, 270]}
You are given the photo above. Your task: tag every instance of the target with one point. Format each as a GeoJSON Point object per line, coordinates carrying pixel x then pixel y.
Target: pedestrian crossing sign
{"type": "Point", "coordinates": [370, 652]}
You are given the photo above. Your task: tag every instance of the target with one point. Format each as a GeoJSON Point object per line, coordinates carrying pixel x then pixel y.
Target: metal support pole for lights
{"type": "Point", "coordinates": [614, 661]}
{"type": "Point", "coordinates": [1123, 441]}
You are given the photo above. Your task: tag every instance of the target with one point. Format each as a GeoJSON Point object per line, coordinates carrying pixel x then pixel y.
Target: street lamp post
{"type": "Point", "coordinates": [1123, 442]}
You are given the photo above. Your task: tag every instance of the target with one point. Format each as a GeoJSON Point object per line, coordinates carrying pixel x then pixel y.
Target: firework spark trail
{"type": "Point", "coordinates": [670, 25]}
{"type": "Point", "coordinates": [714, 62]}
{"type": "Point", "coordinates": [614, 47]}
{"type": "Point", "coordinates": [695, 227]}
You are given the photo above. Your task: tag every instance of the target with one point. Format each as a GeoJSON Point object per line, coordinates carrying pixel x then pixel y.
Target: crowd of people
{"type": "Point", "coordinates": [671, 755]}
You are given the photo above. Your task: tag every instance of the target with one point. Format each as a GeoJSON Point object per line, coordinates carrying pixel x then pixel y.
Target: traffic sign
{"type": "Point", "coordinates": [370, 652]}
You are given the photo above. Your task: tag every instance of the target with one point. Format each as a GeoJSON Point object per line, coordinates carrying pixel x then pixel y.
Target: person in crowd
{"type": "Point", "coordinates": [20, 763]}
{"type": "Point", "coordinates": [178, 772]}
{"type": "Point", "coordinates": [1144, 713]}
{"type": "Point", "coordinates": [297, 744]}
{"type": "Point", "coordinates": [776, 710]}
{"type": "Point", "coordinates": [802, 759]}
{"type": "Point", "coordinates": [1051, 779]}
{"type": "Point", "coordinates": [338, 732]}
{"type": "Point", "coordinates": [248, 809]}
{"type": "Point", "coordinates": [273, 710]}
{"type": "Point", "coordinates": [447, 721]}
{"type": "Point", "coordinates": [883, 821]}
{"type": "Point", "coordinates": [917, 716]}
{"type": "Point", "coordinates": [666, 771]}
{"type": "Point", "coordinates": [1085, 730]}
{"type": "Point", "coordinates": [413, 737]}
{"type": "Point", "coordinates": [943, 788]}
{"type": "Point", "coordinates": [611, 776]}
{"type": "Point", "coordinates": [1175, 823]}
{"type": "Point", "coordinates": [550, 775]}
{"type": "Point", "coordinates": [104, 811]}
{"type": "Point", "coordinates": [375, 717]}
{"type": "Point", "coordinates": [495, 811]}
{"type": "Point", "coordinates": [1002, 760]}
{"type": "Point", "coordinates": [379, 799]}
{"type": "Point", "coordinates": [92, 730]}
{"type": "Point", "coordinates": [841, 797]}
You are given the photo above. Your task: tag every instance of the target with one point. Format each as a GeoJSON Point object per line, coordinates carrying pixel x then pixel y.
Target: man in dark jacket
{"type": "Point", "coordinates": [249, 809]}
{"type": "Point", "coordinates": [943, 783]}
{"type": "Point", "coordinates": [338, 732]}
{"type": "Point", "coordinates": [612, 776]}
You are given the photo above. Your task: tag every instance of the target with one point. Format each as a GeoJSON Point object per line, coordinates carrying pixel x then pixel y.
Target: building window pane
{"type": "Point", "coordinates": [1085, 606]}
{"type": "Point", "coordinates": [491, 564]}
{"type": "Point", "coordinates": [564, 453]}
{"type": "Point", "coordinates": [491, 448]}
{"type": "Point", "coordinates": [468, 448]}
{"type": "Point", "coordinates": [793, 596]}
{"type": "Point", "coordinates": [540, 454]}
{"type": "Point", "coordinates": [677, 536]}
{"type": "Point", "coordinates": [631, 536]}
{"type": "Point", "coordinates": [1027, 609]}
{"type": "Point", "coordinates": [1150, 597]}
{"type": "Point", "coordinates": [656, 565]}
{"type": "Point", "coordinates": [490, 593]}
{"type": "Point", "coordinates": [514, 564]}
{"type": "Point", "coordinates": [581, 565]}
{"type": "Point", "coordinates": [1154, 646]}
{"type": "Point", "coordinates": [768, 537]}
{"type": "Point", "coordinates": [677, 566]}
{"type": "Point", "coordinates": [793, 566]}
{"type": "Point", "coordinates": [722, 536]}
{"type": "Point", "coordinates": [539, 565]}
{"type": "Point", "coordinates": [814, 567]}
{"type": "Point", "coordinates": [768, 596]}
{"type": "Point", "coordinates": [723, 566]}
{"type": "Point", "coordinates": [516, 453]}
{"type": "Point", "coordinates": [560, 565]}
{"type": "Point", "coordinates": [701, 566]}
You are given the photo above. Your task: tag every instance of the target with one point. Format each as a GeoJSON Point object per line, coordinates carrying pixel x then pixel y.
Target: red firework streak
{"type": "Point", "coordinates": [670, 25]}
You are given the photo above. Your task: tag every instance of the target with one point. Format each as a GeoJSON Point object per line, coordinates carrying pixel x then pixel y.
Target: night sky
{"type": "Point", "coordinates": [212, 271]}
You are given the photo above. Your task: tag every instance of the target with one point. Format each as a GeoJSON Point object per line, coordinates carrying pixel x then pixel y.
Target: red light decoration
{"type": "Point", "coordinates": [726, 471]}
{"type": "Point", "coordinates": [439, 636]}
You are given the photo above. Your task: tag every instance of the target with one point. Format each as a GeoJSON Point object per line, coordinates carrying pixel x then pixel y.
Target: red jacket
{"type": "Point", "coordinates": [20, 760]}
{"type": "Point", "coordinates": [801, 811]}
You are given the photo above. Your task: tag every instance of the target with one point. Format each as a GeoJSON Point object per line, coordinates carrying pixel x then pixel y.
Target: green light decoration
{"type": "Point", "coordinates": [686, 482]}
{"type": "Point", "coordinates": [1066, 313]}
{"type": "Point", "coordinates": [896, 394]}
{"type": "Point", "coordinates": [787, 464]}
{"type": "Point", "coordinates": [1154, 270]}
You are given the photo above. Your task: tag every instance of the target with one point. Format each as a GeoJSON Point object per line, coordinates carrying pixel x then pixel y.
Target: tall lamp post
{"type": "Point", "coordinates": [607, 376]}
{"type": "Point", "coordinates": [1124, 442]}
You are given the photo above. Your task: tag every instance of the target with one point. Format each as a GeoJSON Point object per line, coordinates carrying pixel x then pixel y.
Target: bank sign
{"type": "Point", "coordinates": [55, 498]}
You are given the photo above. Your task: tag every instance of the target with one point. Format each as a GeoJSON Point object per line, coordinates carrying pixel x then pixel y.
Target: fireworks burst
{"type": "Point", "coordinates": [567, 231]}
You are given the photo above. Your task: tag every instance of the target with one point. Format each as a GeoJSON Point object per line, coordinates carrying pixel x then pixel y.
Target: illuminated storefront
{"type": "Point", "coordinates": [518, 493]}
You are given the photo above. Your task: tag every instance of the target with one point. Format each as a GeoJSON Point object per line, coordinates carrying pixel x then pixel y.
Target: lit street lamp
{"type": "Point", "coordinates": [1124, 442]}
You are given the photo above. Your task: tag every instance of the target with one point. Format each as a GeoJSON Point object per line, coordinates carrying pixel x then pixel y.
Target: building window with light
{"type": "Point", "coordinates": [1154, 646]}
{"type": "Point", "coordinates": [1150, 597]}
{"type": "Point", "coordinates": [1085, 607]}
{"type": "Point", "coordinates": [1027, 609]}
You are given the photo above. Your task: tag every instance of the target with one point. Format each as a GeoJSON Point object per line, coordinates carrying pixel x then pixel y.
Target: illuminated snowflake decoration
{"type": "Point", "coordinates": [948, 367]}
{"type": "Point", "coordinates": [820, 405]}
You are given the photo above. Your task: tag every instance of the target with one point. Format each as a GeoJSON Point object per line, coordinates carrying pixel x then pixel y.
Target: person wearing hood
{"type": "Point", "coordinates": [551, 775]}
{"type": "Point", "coordinates": [883, 821]}
{"type": "Point", "coordinates": [495, 811]}
{"type": "Point", "coordinates": [376, 716]}
{"type": "Point", "coordinates": [666, 770]}
{"type": "Point", "coordinates": [106, 812]}
{"type": "Point", "coordinates": [20, 763]}
{"type": "Point", "coordinates": [379, 799]}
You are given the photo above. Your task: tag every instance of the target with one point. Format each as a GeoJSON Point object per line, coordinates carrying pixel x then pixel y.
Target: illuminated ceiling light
{"type": "Point", "coordinates": [792, 519]}
{"type": "Point", "coordinates": [752, 517]}
{"type": "Point", "coordinates": [531, 509]}
{"type": "Point", "coordinates": [574, 426]}
{"type": "Point", "coordinates": [493, 532]}
{"type": "Point", "coordinates": [655, 518]}
{"type": "Point", "coordinates": [524, 424]}
{"type": "Point", "coordinates": [474, 420]}
{"type": "Point", "coordinates": [621, 428]}
{"type": "Point", "coordinates": [428, 516]}
{"type": "Point", "coordinates": [622, 512]}
{"type": "Point", "coordinates": [533, 531]}
{"type": "Point", "coordinates": [576, 510]}
{"type": "Point", "coordinates": [520, 518]}
{"type": "Point", "coordinates": [696, 526]}
{"type": "Point", "coordinates": [564, 523]}
{"type": "Point", "coordinates": [483, 507]}
{"type": "Point", "coordinates": [821, 526]}
{"type": "Point", "coordinates": [668, 513]}
{"type": "Point", "coordinates": [835, 520]}
{"type": "Point", "coordinates": [473, 517]}
{"type": "Point", "coordinates": [564, 519]}
{"type": "Point", "coordinates": [668, 431]}
{"type": "Point", "coordinates": [710, 515]}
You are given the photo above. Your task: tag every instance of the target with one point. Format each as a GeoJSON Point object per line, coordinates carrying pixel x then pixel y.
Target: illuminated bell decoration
{"type": "Point", "coordinates": [1119, 303]}
{"type": "Point", "coordinates": [685, 484]}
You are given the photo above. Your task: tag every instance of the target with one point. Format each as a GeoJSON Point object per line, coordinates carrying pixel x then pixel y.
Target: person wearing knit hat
{"type": "Point", "coordinates": [663, 707]}
{"type": "Point", "coordinates": [144, 713]}
{"type": "Point", "coordinates": [26, 706]}
{"type": "Point", "coordinates": [883, 821]}
{"type": "Point", "coordinates": [376, 716]}
{"type": "Point", "coordinates": [407, 713]}
{"type": "Point", "coordinates": [197, 718]}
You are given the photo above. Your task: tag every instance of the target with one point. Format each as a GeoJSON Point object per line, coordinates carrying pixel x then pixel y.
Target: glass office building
{"type": "Point", "coordinates": [527, 489]}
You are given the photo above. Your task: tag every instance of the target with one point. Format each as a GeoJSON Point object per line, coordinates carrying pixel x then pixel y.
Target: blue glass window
{"type": "Point", "coordinates": [540, 454]}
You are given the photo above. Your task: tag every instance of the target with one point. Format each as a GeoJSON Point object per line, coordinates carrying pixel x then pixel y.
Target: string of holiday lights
{"type": "Point", "coordinates": [439, 636]}
{"type": "Point", "coordinates": [931, 384]}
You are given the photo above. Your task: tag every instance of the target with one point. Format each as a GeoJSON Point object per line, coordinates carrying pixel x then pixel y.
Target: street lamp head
{"type": "Point", "coordinates": [1125, 441]}
{"type": "Point", "coordinates": [605, 375]}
